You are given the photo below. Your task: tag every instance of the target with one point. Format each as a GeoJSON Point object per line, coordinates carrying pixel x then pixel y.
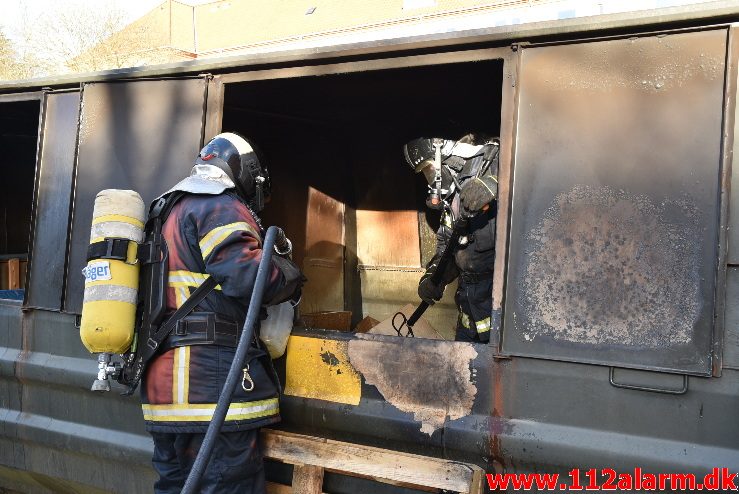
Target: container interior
{"type": "Point", "coordinates": [18, 138]}
{"type": "Point", "coordinates": [341, 188]}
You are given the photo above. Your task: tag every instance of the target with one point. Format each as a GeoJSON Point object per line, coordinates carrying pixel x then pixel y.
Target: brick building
{"type": "Point", "coordinates": [176, 30]}
{"type": "Point", "coordinates": [184, 30]}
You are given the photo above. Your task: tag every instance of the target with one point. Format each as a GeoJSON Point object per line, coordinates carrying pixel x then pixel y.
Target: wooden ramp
{"type": "Point", "coordinates": [313, 455]}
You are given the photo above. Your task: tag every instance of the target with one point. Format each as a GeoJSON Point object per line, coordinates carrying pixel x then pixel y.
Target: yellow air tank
{"type": "Point", "coordinates": [112, 282]}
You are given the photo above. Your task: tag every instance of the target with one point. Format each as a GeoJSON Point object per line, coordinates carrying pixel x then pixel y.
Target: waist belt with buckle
{"type": "Point", "coordinates": [475, 277]}
{"type": "Point", "coordinates": [204, 328]}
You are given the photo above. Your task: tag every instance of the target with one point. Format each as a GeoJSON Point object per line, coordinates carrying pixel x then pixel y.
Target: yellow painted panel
{"type": "Point", "coordinates": [320, 369]}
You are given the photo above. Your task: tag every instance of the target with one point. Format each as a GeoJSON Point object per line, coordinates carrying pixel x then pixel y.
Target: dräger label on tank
{"type": "Point", "coordinates": [96, 271]}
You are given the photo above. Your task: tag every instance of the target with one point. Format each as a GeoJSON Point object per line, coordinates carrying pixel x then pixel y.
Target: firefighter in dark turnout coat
{"type": "Point", "coordinates": [214, 231]}
{"type": "Point", "coordinates": [463, 182]}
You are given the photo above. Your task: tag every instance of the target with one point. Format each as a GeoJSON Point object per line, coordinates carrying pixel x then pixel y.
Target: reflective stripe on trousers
{"type": "Point", "coordinates": [482, 326]}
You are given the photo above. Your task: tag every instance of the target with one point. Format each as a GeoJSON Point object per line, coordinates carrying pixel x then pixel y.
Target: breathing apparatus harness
{"type": "Point", "coordinates": [183, 327]}
{"type": "Point", "coordinates": [152, 256]}
{"type": "Point", "coordinates": [152, 301]}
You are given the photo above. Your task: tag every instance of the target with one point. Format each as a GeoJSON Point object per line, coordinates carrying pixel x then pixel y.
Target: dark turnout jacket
{"type": "Point", "coordinates": [218, 236]}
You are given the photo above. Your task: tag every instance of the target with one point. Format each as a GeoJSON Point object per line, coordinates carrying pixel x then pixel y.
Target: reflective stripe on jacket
{"type": "Point", "coordinates": [211, 235]}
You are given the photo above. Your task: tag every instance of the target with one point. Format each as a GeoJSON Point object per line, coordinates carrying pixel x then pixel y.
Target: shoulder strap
{"type": "Point", "coordinates": [160, 209]}
{"type": "Point", "coordinates": [153, 256]}
{"type": "Point", "coordinates": [156, 337]}
{"type": "Point", "coordinates": [146, 350]}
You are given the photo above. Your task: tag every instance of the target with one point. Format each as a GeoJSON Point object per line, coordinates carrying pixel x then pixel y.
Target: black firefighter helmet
{"type": "Point", "coordinates": [243, 164]}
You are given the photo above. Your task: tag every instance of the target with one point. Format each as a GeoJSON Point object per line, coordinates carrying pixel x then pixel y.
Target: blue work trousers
{"type": "Point", "coordinates": [236, 465]}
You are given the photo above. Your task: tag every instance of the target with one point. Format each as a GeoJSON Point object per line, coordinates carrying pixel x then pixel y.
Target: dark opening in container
{"type": "Point", "coordinates": [341, 188]}
{"type": "Point", "coordinates": [18, 140]}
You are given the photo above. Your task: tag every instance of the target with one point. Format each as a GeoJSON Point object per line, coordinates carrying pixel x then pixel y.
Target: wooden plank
{"type": "Point", "coordinates": [396, 483]}
{"type": "Point", "coordinates": [323, 260]}
{"type": "Point", "coordinates": [4, 274]}
{"type": "Point", "coordinates": [365, 460]}
{"type": "Point", "coordinates": [336, 320]}
{"type": "Point", "coordinates": [366, 324]}
{"type": "Point", "coordinates": [308, 479]}
{"type": "Point", "coordinates": [274, 488]}
{"type": "Point", "coordinates": [478, 481]}
{"type": "Point", "coordinates": [476, 487]}
{"type": "Point", "coordinates": [14, 274]}
{"type": "Point", "coordinates": [23, 269]}
{"type": "Point", "coordinates": [389, 238]}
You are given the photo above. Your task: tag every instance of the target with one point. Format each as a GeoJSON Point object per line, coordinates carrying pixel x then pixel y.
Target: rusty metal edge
{"type": "Point", "coordinates": [204, 114]}
{"type": "Point", "coordinates": [40, 137]}
{"type": "Point", "coordinates": [72, 195]}
{"type": "Point", "coordinates": [508, 123]}
{"type": "Point", "coordinates": [13, 98]}
{"type": "Point", "coordinates": [214, 107]}
{"type": "Point", "coordinates": [718, 11]}
{"type": "Point", "coordinates": [397, 62]}
{"type": "Point", "coordinates": [727, 151]}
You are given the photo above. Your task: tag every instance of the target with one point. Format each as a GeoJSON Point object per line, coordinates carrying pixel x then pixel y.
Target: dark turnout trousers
{"type": "Point", "coordinates": [235, 467]}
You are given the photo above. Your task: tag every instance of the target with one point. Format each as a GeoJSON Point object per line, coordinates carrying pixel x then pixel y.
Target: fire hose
{"type": "Point", "coordinates": [274, 237]}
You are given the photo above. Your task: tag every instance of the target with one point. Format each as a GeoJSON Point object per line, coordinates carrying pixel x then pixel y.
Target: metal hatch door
{"type": "Point", "coordinates": [139, 135]}
{"type": "Point", "coordinates": [614, 220]}
{"type": "Point", "coordinates": [58, 137]}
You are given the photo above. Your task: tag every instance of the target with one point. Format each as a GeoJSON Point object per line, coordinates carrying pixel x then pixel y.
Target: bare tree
{"type": "Point", "coordinates": [132, 45]}
{"type": "Point", "coordinates": [7, 58]}
{"type": "Point", "coordinates": [72, 37]}
{"type": "Point", "coordinates": [15, 63]}
{"type": "Point", "coordinates": [29, 59]}
{"type": "Point", "coordinates": [87, 40]}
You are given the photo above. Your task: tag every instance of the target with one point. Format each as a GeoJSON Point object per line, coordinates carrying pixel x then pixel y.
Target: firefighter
{"type": "Point", "coordinates": [214, 230]}
{"type": "Point", "coordinates": [463, 183]}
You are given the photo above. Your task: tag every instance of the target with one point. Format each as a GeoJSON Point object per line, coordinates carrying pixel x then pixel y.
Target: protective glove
{"type": "Point", "coordinates": [429, 291]}
{"type": "Point", "coordinates": [484, 337]}
{"type": "Point", "coordinates": [478, 192]}
{"type": "Point", "coordinates": [294, 281]}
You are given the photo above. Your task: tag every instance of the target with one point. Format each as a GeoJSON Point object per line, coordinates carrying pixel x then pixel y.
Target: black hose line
{"type": "Point", "coordinates": [274, 235]}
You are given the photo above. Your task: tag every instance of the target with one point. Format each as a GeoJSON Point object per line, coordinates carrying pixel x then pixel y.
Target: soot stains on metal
{"type": "Point", "coordinates": [432, 380]}
{"type": "Point", "coordinates": [92, 109]}
{"type": "Point", "coordinates": [665, 63]}
{"type": "Point", "coordinates": [606, 266]}
{"type": "Point", "coordinates": [329, 358]}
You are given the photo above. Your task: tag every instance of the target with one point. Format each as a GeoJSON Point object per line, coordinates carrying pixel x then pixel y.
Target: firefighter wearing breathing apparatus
{"type": "Point", "coordinates": [463, 184]}
{"type": "Point", "coordinates": [212, 237]}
